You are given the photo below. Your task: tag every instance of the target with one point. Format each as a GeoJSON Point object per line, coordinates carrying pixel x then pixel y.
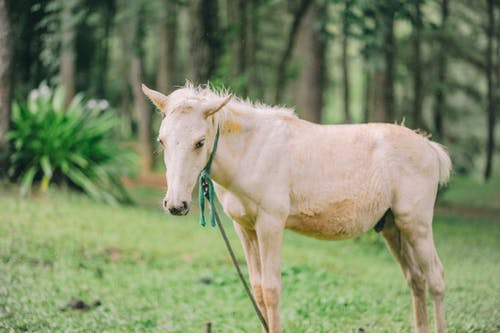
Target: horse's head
{"type": "Point", "coordinates": [187, 134]}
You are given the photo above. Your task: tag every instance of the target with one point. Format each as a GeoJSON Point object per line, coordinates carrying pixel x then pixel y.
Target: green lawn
{"type": "Point", "coordinates": [472, 192]}
{"type": "Point", "coordinates": [146, 269]}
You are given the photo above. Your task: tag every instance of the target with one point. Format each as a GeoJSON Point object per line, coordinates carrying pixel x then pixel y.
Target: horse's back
{"type": "Point", "coordinates": [371, 150]}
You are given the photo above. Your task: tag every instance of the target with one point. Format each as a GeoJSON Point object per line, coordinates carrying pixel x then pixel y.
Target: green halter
{"type": "Point", "coordinates": [206, 187]}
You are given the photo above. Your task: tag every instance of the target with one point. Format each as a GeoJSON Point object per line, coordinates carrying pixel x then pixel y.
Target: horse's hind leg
{"type": "Point", "coordinates": [402, 251]}
{"type": "Point", "coordinates": [418, 232]}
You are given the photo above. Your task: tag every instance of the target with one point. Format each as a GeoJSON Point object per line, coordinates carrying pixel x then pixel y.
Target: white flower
{"type": "Point", "coordinates": [44, 90]}
{"type": "Point", "coordinates": [103, 104]}
{"type": "Point", "coordinates": [92, 104]}
{"type": "Point", "coordinates": [34, 94]}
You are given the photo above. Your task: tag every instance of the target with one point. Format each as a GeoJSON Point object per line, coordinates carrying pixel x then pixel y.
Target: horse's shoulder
{"type": "Point", "coordinates": [236, 208]}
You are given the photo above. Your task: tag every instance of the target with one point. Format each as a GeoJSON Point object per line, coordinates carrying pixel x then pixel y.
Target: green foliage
{"type": "Point", "coordinates": [72, 145]}
{"type": "Point", "coordinates": [250, 43]}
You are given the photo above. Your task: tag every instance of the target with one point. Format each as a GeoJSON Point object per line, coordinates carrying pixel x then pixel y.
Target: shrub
{"type": "Point", "coordinates": [73, 145]}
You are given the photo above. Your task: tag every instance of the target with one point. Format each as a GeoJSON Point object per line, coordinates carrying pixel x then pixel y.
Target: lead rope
{"type": "Point", "coordinates": [206, 190]}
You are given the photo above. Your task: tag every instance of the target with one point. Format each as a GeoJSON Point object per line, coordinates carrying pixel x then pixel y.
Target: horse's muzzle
{"type": "Point", "coordinates": [179, 210]}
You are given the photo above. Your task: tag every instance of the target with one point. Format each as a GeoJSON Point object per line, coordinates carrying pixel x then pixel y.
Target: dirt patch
{"type": "Point", "coordinates": [205, 280]}
{"type": "Point", "coordinates": [113, 254]}
{"type": "Point", "coordinates": [153, 180]}
{"type": "Point", "coordinates": [42, 262]}
{"type": "Point", "coordinates": [187, 258]}
{"type": "Point", "coordinates": [76, 304]}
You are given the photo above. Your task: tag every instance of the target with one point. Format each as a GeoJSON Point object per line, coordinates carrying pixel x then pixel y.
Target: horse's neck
{"type": "Point", "coordinates": [237, 129]}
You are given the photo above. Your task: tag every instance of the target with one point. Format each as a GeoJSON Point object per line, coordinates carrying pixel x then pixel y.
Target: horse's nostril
{"type": "Point", "coordinates": [165, 202]}
{"type": "Point", "coordinates": [179, 210]}
{"type": "Point", "coordinates": [174, 211]}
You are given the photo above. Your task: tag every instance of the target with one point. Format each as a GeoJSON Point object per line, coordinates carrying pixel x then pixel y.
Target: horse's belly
{"type": "Point", "coordinates": [340, 221]}
{"type": "Point", "coordinates": [321, 228]}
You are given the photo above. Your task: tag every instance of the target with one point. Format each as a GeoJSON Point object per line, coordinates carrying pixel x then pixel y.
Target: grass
{"type": "Point", "coordinates": [157, 273]}
{"type": "Point", "coordinates": [472, 192]}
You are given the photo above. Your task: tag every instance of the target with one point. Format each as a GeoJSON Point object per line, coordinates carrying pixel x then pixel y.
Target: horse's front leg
{"type": "Point", "coordinates": [270, 237]}
{"type": "Point", "coordinates": [248, 239]}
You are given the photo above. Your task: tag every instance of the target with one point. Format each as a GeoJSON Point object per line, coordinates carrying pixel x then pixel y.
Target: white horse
{"type": "Point", "coordinates": [273, 171]}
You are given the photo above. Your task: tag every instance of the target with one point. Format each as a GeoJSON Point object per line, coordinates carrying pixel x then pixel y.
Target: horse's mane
{"type": "Point", "coordinates": [419, 131]}
{"type": "Point", "coordinates": [207, 91]}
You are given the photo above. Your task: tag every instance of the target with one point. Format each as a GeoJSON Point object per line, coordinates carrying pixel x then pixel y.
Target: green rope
{"type": "Point", "coordinates": [206, 190]}
{"type": "Point", "coordinates": [206, 187]}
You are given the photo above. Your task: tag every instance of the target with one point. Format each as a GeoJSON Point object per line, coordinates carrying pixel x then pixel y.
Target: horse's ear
{"type": "Point", "coordinates": [217, 105]}
{"type": "Point", "coordinates": [156, 97]}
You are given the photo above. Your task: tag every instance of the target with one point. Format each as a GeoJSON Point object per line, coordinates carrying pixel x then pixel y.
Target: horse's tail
{"type": "Point", "coordinates": [444, 162]}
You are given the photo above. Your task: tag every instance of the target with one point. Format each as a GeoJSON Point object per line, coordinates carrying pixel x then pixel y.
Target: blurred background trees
{"type": "Point", "coordinates": [433, 63]}
{"type": "Point", "coordinates": [5, 68]}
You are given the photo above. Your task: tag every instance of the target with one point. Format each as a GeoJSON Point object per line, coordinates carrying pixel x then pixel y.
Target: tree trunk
{"type": "Point", "coordinates": [490, 145]}
{"type": "Point", "coordinates": [103, 53]}
{"type": "Point", "coordinates": [440, 104]}
{"type": "Point", "coordinates": [496, 83]}
{"type": "Point", "coordinates": [125, 26]}
{"type": "Point", "coordinates": [67, 64]}
{"type": "Point", "coordinates": [381, 88]}
{"type": "Point", "coordinates": [311, 51]}
{"type": "Point", "coordinates": [237, 19]}
{"type": "Point", "coordinates": [345, 62]}
{"type": "Point", "coordinates": [5, 74]}
{"type": "Point", "coordinates": [252, 47]}
{"type": "Point", "coordinates": [141, 105]}
{"type": "Point", "coordinates": [287, 53]}
{"type": "Point", "coordinates": [167, 46]}
{"type": "Point", "coordinates": [205, 42]}
{"type": "Point", "coordinates": [380, 93]}
{"type": "Point", "coordinates": [377, 112]}
{"type": "Point", "coordinates": [388, 114]}
{"type": "Point", "coordinates": [367, 88]}
{"type": "Point", "coordinates": [233, 17]}
{"type": "Point", "coordinates": [143, 112]}
{"type": "Point", "coordinates": [417, 67]}
{"type": "Point", "coordinates": [133, 39]}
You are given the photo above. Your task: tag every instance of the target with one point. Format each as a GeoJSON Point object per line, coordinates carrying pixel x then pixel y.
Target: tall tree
{"type": "Point", "coordinates": [377, 111]}
{"type": "Point", "coordinates": [125, 34]}
{"type": "Point", "coordinates": [167, 46]}
{"type": "Point", "coordinates": [380, 53]}
{"type": "Point", "coordinates": [311, 49]}
{"type": "Point", "coordinates": [67, 63]}
{"type": "Point", "coordinates": [367, 83]}
{"type": "Point", "coordinates": [141, 106]}
{"type": "Point", "coordinates": [5, 71]}
{"type": "Point", "coordinates": [346, 23]}
{"type": "Point", "coordinates": [440, 93]}
{"type": "Point", "coordinates": [287, 53]}
{"type": "Point", "coordinates": [132, 30]}
{"type": "Point", "coordinates": [238, 25]}
{"type": "Point", "coordinates": [389, 50]}
{"type": "Point", "coordinates": [205, 40]}
{"type": "Point", "coordinates": [417, 65]}
{"type": "Point", "coordinates": [252, 46]}
{"type": "Point", "coordinates": [489, 71]}
{"type": "Point", "coordinates": [107, 13]}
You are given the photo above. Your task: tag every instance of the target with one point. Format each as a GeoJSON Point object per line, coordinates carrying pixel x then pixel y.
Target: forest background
{"type": "Point", "coordinates": [434, 64]}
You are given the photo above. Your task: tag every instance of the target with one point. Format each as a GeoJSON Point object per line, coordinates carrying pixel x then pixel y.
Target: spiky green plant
{"type": "Point", "coordinates": [67, 145]}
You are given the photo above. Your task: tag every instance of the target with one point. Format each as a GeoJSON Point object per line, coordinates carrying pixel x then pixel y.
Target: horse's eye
{"type": "Point", "coordinates": [199, 144]}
